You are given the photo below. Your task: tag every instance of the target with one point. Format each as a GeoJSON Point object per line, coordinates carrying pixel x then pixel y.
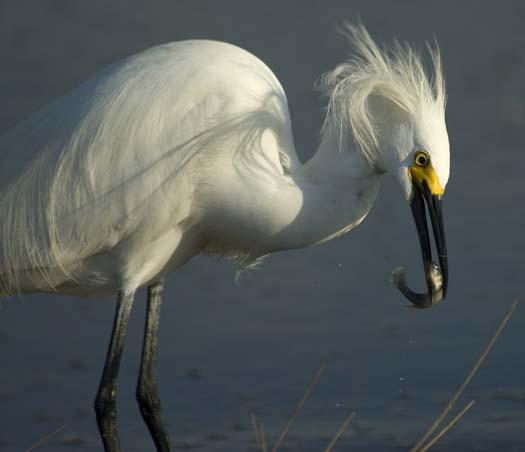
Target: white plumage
{"type": "Point", "coordinates": [114, 166]}
{"type": "Point", "coordinates": [187, 147]}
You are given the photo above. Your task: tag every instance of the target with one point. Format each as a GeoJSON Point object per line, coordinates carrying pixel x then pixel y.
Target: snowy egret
{"type": "Point", "coordinates": [187, 148]}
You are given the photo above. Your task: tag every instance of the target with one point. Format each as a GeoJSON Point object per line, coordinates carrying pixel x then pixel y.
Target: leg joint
{"type": "Point", "coordinates": [106, 402]}
{"type": "Point", "coordinates": [148, 398]}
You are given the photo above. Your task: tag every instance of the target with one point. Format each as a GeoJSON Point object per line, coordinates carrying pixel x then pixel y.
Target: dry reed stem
{"type": "Point", "coordinates": [256, 431]}
{"type": "Point", "coordinates": [341, 430]}
{"type": "Point", "coordinates": [43, 440]}
{"type": "Point", "coordinates": [299, 405]}
{"type": "Point", "coordinates": [469, 377]}
{"type": "Point", "coordinates": [262, 434]}
{"type": "Point", "coordinates": [447, 427]}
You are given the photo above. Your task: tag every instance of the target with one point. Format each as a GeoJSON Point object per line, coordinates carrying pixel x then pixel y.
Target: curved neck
{"type": "Point", "coordinates": [337, 189]}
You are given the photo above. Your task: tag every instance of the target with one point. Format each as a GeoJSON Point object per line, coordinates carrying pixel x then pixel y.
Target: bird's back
{"type": "Point", "coordinates": [114, 161]}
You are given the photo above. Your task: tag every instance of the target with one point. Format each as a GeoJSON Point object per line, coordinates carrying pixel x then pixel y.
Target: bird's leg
{"type": "Point", "coordinates": [147, 392]}
{"type": "Point", "coordinates": [105, 402]}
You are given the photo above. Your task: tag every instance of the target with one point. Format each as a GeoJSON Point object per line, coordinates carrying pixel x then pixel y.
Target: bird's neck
{"type": "Point", "coordinates": [337, 189]}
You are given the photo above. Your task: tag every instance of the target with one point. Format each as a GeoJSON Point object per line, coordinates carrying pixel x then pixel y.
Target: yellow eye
{"type": "Point", "coordinates": [421, 158]}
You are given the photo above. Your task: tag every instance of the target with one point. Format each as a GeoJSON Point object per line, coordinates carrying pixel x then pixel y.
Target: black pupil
{"type": "Point", "coordinates": [421, 160]}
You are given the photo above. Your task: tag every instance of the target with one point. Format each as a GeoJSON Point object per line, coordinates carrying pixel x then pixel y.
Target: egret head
{"type": "Point", "coordinates": [385, 104]}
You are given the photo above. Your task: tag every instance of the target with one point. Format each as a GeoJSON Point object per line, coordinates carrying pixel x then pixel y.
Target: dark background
{"type": "Point", "coordinates": [227, 349]}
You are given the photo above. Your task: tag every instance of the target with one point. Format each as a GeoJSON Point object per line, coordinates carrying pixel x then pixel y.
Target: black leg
{"type": "Point", "coordinates": [106, 400]}
{"type": "Point", "coordinates": [147, 392]}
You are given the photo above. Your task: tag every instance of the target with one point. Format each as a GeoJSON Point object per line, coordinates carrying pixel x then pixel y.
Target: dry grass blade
{"type": "Point", "coordinates": [43, 440]}
{"type": "Point", "coordinates": [341, 430]}
{"type": "Point", "coordinates": [447, 427]}
{"type": "Point", "coordinates": [256, 431]}
{"type": "Point", "coordinates": [262, 436]}
{"type": "Point", "coordinates": [298, 407]}
{"type": "Point", "coordinates": [469, 377]}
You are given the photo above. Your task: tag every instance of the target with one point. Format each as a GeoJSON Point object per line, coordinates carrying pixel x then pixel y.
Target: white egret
{"type": "Point", "coordinates": [187, 148]}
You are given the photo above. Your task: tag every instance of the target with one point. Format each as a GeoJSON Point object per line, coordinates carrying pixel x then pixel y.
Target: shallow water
{"type": "Point", "coordinates": [228, 350]}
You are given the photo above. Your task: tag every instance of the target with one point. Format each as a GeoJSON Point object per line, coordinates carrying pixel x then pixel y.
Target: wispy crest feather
{"type": "Point", "coordinates": [396, 74]}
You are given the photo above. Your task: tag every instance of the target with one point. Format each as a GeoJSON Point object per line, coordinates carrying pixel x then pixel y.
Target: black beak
{"type": "Point", "coordinates": [436, 275]}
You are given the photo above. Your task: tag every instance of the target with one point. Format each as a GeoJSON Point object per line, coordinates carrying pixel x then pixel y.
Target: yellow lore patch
{"type": "Point", "coordinates": [427, 174]}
